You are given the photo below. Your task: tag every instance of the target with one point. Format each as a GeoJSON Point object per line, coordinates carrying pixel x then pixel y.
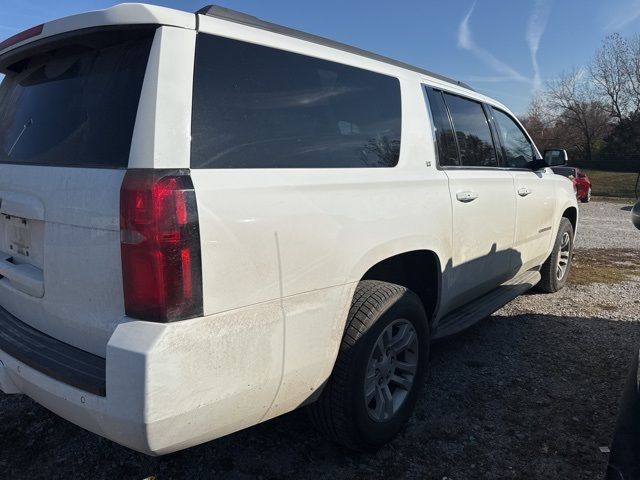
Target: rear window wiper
{"type": "Point", "coordinates": [24, 129]}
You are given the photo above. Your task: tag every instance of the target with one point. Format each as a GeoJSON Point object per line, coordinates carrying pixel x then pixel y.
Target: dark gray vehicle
{"type": "Point", "coordinates": [624, 461]}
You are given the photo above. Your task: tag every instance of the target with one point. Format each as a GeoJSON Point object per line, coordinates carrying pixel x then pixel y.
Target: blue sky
{"type": "Point", "coordinates": [504, 48]}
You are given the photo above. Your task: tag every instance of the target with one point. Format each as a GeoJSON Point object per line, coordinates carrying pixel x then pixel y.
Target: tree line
{"type": "Point", "coordinates": [594, 111]}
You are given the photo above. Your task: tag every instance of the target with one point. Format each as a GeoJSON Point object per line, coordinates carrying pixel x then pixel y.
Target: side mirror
{"type": "Point", "coordinates": [635, 215]}
{"type": "Point", "coordinates": [556, 157]}
{"type": "Point", "coordinates": [538, 164]}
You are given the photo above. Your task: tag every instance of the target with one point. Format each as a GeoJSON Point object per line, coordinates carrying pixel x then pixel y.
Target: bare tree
{"type": "Point", "coordinates": [576, 106]}
{"type": "Point", "coordinates": [610, 73]}
{"type": "Point", "coordinates": [539, 123]}
{"type": "Point", "coordinates": [632, 70]}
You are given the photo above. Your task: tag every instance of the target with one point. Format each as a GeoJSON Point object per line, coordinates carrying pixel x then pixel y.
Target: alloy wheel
{"type": "Point", "coordinates": [391, 370]}
{"type": "Point", "coordinates": [563, 256]}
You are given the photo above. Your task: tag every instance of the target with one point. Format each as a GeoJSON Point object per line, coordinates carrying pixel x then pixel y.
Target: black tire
{"type": "Point", "coordinates": [341, 412]}
{"type": "Point", "coordinates": [550, 283]}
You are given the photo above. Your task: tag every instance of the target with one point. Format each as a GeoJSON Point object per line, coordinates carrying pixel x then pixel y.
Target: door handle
{"type": "Point", "coordinates": [26, 278]}
{"type": "Point", "coordinates": [523, 191]}
{"type": "Point", "coordinates": [466, 196]}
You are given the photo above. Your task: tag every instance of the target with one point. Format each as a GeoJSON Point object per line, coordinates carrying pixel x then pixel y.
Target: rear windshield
{"type": "Point", "coordinates": [260, 107]}
{"type": "Point", "coordinates": [74, 102]}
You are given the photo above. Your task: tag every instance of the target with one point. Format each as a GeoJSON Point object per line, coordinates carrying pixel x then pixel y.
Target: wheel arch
{"type": "Point", "coordinates": [571, 213]}
{"type": "Point", "coordinates": [418, 270]}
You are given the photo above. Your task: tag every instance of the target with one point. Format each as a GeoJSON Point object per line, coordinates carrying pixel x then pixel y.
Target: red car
{"type": "Point", "coordinates": [581, 182]}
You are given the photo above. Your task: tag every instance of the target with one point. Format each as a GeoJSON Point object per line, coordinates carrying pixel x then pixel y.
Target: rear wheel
{"type": "Point", "coordinates": [555, 271]}
{"type": "Point", "coordinates": [587, 197]}
{"type": "Point", "coordinates": [379, 370]}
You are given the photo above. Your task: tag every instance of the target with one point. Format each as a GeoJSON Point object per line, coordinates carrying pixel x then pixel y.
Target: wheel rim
{"type": "Point", "coordinates": [563, 256]}
{"type": "Point", "coordinates": [391, 370]}
{"type": "Point", "coordinates": [588, 195]}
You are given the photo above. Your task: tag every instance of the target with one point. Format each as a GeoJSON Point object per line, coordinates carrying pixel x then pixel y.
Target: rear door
{"type": "Point", "coordinates": [482, 199]}
{"type": "Point", "coordinates": [535, 191]}
{"type": "Point", "coordinates": [67, 114]}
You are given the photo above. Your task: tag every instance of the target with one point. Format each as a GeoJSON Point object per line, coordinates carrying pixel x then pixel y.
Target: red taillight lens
{"type": "Point", "coordinates": [160, 245]}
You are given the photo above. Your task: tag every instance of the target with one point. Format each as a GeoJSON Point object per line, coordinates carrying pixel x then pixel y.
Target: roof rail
{"type": "Point", "coordinates": [246, 19]}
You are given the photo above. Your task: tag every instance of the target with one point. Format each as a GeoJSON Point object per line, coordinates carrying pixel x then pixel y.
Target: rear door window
{"type": "Point", "coordinates": [472, 132]}
{"type": "Point", "coordinates": [260, 107]}
{"type": "Point", "coordinates": [74, 102]}
{"type": "Point", "coordinates": [447, 149]}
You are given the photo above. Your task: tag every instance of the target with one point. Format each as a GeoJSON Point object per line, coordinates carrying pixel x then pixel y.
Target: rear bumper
{"type": "Point", "coordinates": [169, 386]}
{"type": "Point", "coordinates": [50, 356]}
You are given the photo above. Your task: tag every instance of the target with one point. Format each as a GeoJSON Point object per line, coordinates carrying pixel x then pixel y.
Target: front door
{"type": "Point", "coordinates": [536, 202]}
{"type": "Point", "coordinates": [534, 192]}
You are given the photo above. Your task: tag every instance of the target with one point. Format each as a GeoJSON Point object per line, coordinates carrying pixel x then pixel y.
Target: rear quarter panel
{"type": "Point", "coordinates": [307, 236]}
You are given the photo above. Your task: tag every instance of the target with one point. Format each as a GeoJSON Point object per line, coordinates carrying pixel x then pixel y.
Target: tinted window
{"type": "Point", "coordinates": [259, 107]}
{"type": "Point", "coordinates": [472, 132]}
{"type": "Point", "coordinates": [518, 151]}
{"type": "Point", "coordinates": [447, 149]}
{"type": "Point", "coordinates": [76, 103]}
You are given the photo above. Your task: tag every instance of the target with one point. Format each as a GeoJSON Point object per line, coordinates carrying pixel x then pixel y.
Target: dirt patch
{"type": "Point", "coordinates": [599, 265]}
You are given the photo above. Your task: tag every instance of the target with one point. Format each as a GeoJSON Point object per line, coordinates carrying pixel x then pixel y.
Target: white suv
{"type": "Point", "coordinates": [209, 220]}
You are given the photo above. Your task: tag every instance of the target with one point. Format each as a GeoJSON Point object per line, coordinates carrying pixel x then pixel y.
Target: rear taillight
{"type": "Point", "coordinates": [160, 245]}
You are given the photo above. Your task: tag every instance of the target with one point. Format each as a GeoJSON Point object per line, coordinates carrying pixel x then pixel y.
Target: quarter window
{"type": "Point", "coordinates": [472, 131]}
{"type": "Point", "coordinates": [518, 151]}
{"type": "Point", "coordinates": [260, 107]}
{"type": "Point", "coordinates": [447, 149]}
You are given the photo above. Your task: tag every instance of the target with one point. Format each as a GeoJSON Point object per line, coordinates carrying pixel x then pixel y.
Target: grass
{"type": "Point", "coordinates": [612, 184]}
{"type": "Point", "coordinates": [599, 265]}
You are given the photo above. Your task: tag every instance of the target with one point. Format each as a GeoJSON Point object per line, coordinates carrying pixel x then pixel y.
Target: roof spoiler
{"type": "Point", "coordinates": [20, 37]}
{"type": "Point", "coordinates": [246, 19]}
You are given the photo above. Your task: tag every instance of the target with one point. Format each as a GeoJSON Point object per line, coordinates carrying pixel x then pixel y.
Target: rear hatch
{"type": "Point", "coordinates": [68, 107]}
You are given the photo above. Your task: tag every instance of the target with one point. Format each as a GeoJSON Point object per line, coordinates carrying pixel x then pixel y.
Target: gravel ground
{"type": "Point", "coordinates": [530, 392]}
{"type": "Point", "coordinates": [606, 225]}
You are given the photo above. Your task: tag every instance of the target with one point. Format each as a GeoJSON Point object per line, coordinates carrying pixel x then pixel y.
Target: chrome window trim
{"type": "Point", "coordinates": [434, 135]}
